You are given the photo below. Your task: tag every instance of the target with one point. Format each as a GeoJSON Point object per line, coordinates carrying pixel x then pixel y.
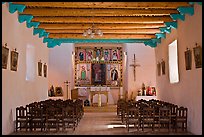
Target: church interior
{"type": "Point", "coordinates": [76, 68]}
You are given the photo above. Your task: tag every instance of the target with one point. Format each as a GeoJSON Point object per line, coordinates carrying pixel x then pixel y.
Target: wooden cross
{"type": "Point", "coordinates": [134, 65]}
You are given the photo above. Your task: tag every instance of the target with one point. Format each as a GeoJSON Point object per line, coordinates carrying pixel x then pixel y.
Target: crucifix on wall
{"type": "Point", "coordinates": [134, 65]}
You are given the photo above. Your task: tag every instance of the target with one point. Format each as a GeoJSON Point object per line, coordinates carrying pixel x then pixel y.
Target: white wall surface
{"type": "Point", "coordinates": [16, 90]}
{"type": "Point", "coordinates": [145, 73]}
{"type": "Point", "coordinates": [188, 91]}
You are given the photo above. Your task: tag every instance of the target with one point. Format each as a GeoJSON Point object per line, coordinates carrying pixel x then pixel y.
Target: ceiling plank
{"type": "Point", "coordinates": [103, 19]}
{"type": "Point", "coordinates": [132, 5]}
{"type": "Point", "coordinates": [101, 26]}
{"type": "Point", "coordinates": [106, 36]}
{"type": "Point", "coordinates": [106, 31]}
{"type": "Point", "coordinates": [97, 12]}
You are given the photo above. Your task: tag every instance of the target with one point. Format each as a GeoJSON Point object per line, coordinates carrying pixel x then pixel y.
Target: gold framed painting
{"type": "Point", "coordinates": [58, 91]}
{"type": "Point", "coordinates": [14, 60]}
{"type": "Point", "coordinates": [39, 68]}
{"type": "Point", "coordinates": [188, 59]}
{"type": "Point", "coordinates": [5, 53]}
{"type": "Point", "coordinates": [198, 56]}
{"type": "Point", "coordinates": [159, 69]}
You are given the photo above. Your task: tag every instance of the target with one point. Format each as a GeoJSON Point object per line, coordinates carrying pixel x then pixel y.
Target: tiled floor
{"type": "Point", "coordinates": [100, 123]}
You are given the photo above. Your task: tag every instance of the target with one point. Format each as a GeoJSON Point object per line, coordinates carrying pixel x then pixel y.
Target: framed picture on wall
{"type": "Point", "coordinates": [163, 67]}
{"type": "Point", "coordinates": [5, 53]}
{"type": "Point", "coordinates": [45, 70]}
{"type": "Point", "coordinates": [198, 56]}
{"type": "Point", "coordinates": [14, 60]}
{"type": "Point", "coordinates": [188, 59]}
{"type": "Point", "coordinates": [39, 68]}
{"type": "Point", "coordinates": [159, 69]}
{"type": "Point", "coordinates": [58, 91]}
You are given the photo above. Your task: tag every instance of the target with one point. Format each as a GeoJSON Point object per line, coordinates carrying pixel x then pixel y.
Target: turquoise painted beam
{"type": "Point", "coordinates": [171, 24]}
{"type": "Point", "coordinates": [200, 3]}
{"type": "Point", "coordinates": [165, 29]}
{"type": "Point", "coordinates": [27, 18]}
{"type": "Point", "coordinates": [32, 24]}
{"type": "Point", "coordinates": [177, 16]}
{"type": "Point", "coordinates": [16, 7]}
{"type": "Point", "coordinates": [156, 40]}
{"type": "Point", "coordinates": [186, 10]}
{"type": "Point", "coordinates": [102, 40]}
{"type": "Point", "coordinates": [160, 35]}
{"type": "Point", "coordinates": [38, 31]}
{"type": "Point", "coordinates": [46, 34]}
{"type": "Point", "coordinates": [47, 40]}
{"type": "Point", "coordinates": [151, 44]}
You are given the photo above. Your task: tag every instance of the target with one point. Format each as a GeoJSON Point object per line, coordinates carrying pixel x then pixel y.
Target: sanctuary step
{"type": "Point", "coordinates": [103, 108]}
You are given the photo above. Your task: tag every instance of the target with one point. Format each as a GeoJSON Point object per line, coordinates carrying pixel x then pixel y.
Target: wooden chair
{"type": "Point", "coordinates": [68, 118]}
{"type": "Point", "coordinates": [181, 119]}
{"type": "Point", "coordinates": [148, 118]}
{"type": "Point", "coordinates": [37, 119]}
{"type": "Point", "coordinates": [133, 118]}
{"type": "Point", "coordinates": [22, 119]}
{"type": "Point", "coordinates": [52, 118]}
{"type": "Point", "coordinates": [164, 117]}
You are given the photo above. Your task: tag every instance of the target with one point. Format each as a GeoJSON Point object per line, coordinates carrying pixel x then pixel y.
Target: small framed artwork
{"type": "Point", "coordinates": [39, 68]}
{"type": "Point", "coordinates": [45, 70]}
{"type": "Point", "coordinates": [198, 56]}
{"type": "Point", "coordinates": [159, 69]}
{"type": "Point", "coordinates": [14, 60]}
{"type": "Point", "coordinates": [163, 67]}
{"type": "Point", "coordinates": [58, 91]}
{"type": "Point", "coordinates": [188, 59]}
{"type": "Point", "coordinates": [5, 53]}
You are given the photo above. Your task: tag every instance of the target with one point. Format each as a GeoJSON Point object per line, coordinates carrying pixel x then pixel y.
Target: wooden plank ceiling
{"type": "Point", "coordinates": [117, 20]}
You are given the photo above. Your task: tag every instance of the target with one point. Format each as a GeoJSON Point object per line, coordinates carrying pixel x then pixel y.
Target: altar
{"type": "Point", "coordinates": [99, 91]}
{"type": "Point", "coordinates": [146, 97]}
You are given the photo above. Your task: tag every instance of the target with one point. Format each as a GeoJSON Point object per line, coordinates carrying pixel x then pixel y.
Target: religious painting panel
{"type": "Point", "coordinates": [114, 74]}
{"type": "Point", "coordinates": [14, 60]}
{"type": "Point", "coordinates": [114, 55]}
{"type": "Point", "coordinates": [5, 53]}
{"type": "Point", "coordinates": [83, 74]}
{"type": "Point", "coordinates": [81, 54]}
{"type": "Point", "coordinates": [188, 59]}
{"type": "Point", "coordinates": [98, 74]}
{"type": "Point", "coordinates": [89, 54]}
{"type": "Point", "coordinates": [106, 54]}
{"type": "Point", "coordinates": [198, 56]}
{"type": "Point", "coordinates": [98, 53]}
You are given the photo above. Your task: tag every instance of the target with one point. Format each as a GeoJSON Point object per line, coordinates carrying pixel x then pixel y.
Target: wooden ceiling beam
{"type": "Point", "coordinates": [105, 36]}
{"type": "Point", "coordinates": [101, 26]}
{"type": "Point", "coordinates": [103, 19]}
{"type": "Point", "coordinates": [126, 5]}
{"type": "Point", "coordinates": [106, 31]}
{"type": "Point", "coordinates": [97, 12]}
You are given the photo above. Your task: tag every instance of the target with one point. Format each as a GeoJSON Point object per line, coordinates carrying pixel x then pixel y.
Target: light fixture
{"type": "Point", "coordinates": [92, 31]}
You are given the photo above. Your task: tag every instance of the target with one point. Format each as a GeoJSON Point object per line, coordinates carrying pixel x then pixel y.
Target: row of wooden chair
{"type": "Point", "coordinates": [48, 114]}
{"type": "Point", "coordinates": [152, 113]}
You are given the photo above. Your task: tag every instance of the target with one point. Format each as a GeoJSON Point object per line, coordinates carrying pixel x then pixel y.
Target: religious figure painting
{"type": "Point", "coordinates": [106, 54]}
{"type": "Point", "coordinates": [58, 91]}
{"type": "Point", "coordinates": [98, 54]}
{"type": "Point", "coordinates": [14, 60]}
{"type": "Point", "coordinates": [5, 53]}
{"type": "Point", "coordinates": [188, 59]}
{"type": "Point", "coordinates": [114, 54]}
{"type": "Point", "coordinates": [89, 55]}
{"type": "Point", "coordinates": [98, 74]}
{"type": "Point", "coordinates": [198, 56]}
{"type": "Point", "coordinates": [81, 55]}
